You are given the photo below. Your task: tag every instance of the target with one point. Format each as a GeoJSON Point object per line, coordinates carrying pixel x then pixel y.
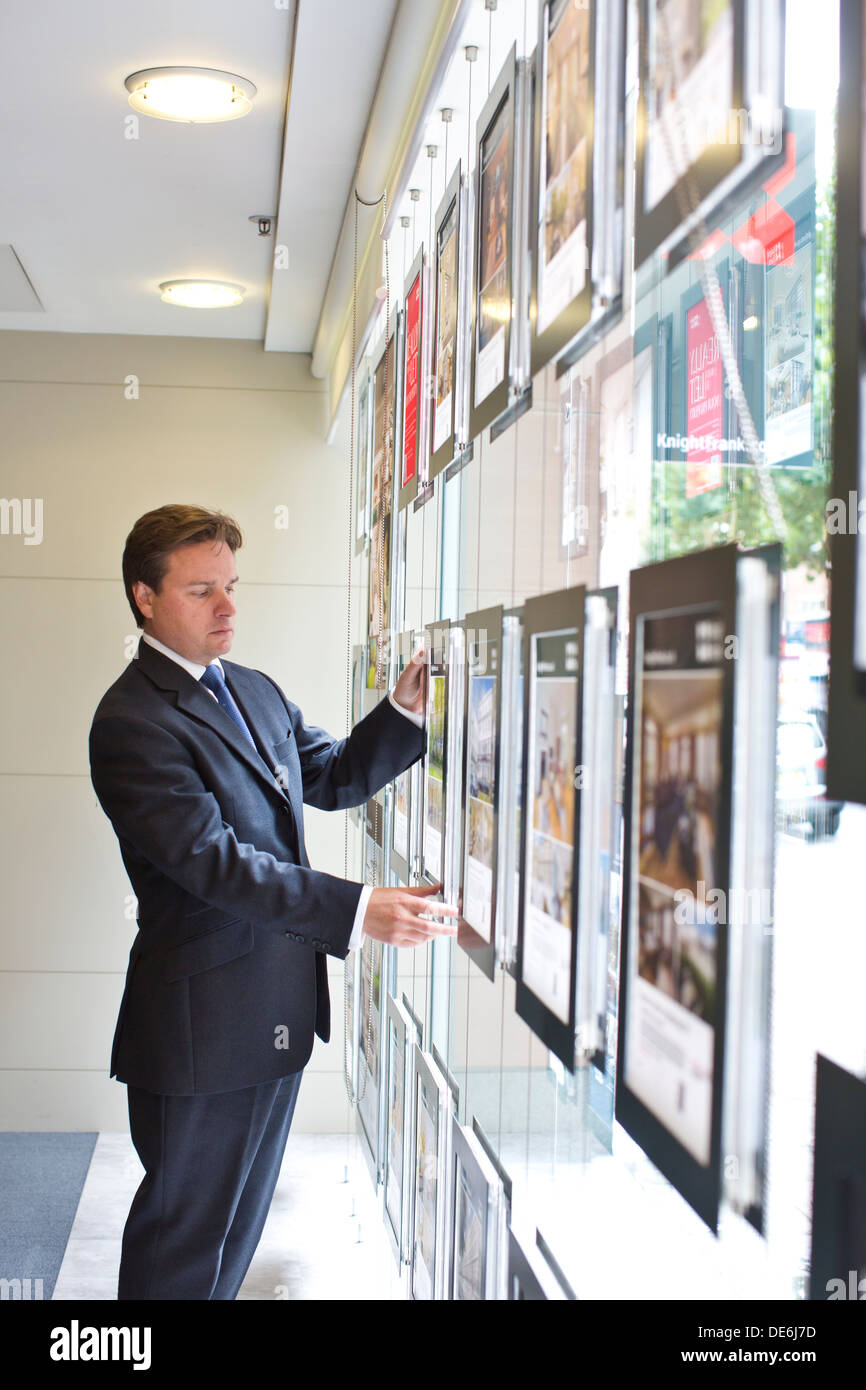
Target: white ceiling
{"type": "Point", "coordinates": [98, 220]}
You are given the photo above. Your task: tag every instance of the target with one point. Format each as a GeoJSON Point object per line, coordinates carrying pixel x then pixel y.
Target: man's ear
{"type": "Point", "coordinates": [143, 595]}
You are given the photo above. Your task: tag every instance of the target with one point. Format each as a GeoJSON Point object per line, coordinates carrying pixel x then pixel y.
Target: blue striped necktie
{"type": "Point", "coordinates": [214, 679]}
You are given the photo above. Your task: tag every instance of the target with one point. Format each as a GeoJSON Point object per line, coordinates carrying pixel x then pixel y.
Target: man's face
{"type": "Point", "coordinates": [193, 613]}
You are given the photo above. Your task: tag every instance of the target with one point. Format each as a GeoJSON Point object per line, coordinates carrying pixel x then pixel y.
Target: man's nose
{"type": "Point", "coordinates": [224, 603]}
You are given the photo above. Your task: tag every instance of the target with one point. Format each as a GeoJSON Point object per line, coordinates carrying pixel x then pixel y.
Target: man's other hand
{"type": "Point", "coordinates": [410, 691]}
{"type": "Point", "coordinates": [396, 915]}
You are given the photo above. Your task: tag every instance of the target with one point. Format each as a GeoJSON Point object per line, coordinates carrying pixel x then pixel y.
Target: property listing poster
{"type": "Point", "coordinates": [788, 348]}
{"type": "Point", "coordinates": [552, 772]}
{"type": "Point", "coordinates": [566, 122]}
{"type": "Point", "coordinates": [481, 792]}
{"type": "Point", "coordinates": [369, 1024]}
{"type": "Point", "coordinates": [705, 403]}
{"type": "Point", "coordinates": [379, 589]}
{"type": "Point", "coordinates": [446, 329]}
{"type": "Point", "coordinates": [470, 1239]}
{"type": "Point", "coordinates": [494, 279]}
{"type": "Point", "coordinates": [691, 82]}
{"type": "Point", "coordinates": [402, 792]}
{"type": "Point", "coordinates": [371, 970]}
{"type": "Point", "coordinates": [394, 1188]}
{"type": "Point", "coordinates": [426, 1167]}
{"type": "Point", "coordinates": [411, 381]}
{"type": "Point", "coordinates": [434, 771]}
{"type": "Point", "coordinates": [673, 946]}
{"type": "Point", "coordinates": [363, 463]}
{"type": "Point", "coordinates": [400, 833]}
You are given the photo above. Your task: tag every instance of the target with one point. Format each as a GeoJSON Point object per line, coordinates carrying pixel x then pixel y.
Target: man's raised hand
{"type": "Point", "coordinates": [396, 915]}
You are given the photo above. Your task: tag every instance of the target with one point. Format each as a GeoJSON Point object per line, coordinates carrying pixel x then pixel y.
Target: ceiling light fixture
{"type": "Point", "coordinates": [194, 95]}
{"type": "Point", "coordinates": [202, 294]}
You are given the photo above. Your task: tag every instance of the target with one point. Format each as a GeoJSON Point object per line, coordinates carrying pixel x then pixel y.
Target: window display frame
{"type": "Point", "coordinates": [363, 459]}
{"type": "Point", "coordinates": [846, 748]}
{"type": "Point", "coordinates": [653, 227]}
{"type": "Point", "coordinates": [511, 789]}
{"type": "Point", "coordinates": [549, 341]}
{"type": "Point", "coordinates": [374, 830]}
{"type": "Point", "coordinates": [407, 487]}
{"type": "Point", "coordinates": [438, 650]}
{"type": "Point", "coordinates": [709, 578]}
{"type": "Point", "coordinates": [359, 681]}
{"type": "Point", "coordinates": [486, 1195]}
{"type": "Point", "coordinates": [456, 199]}
{"type": "Point", "coordinates": [368, 1089]}
{"type": "Point", "coordinates": [488, 621]}
{"type": "Point", "coordinates": [745, 1120]}
{"type": "Point", "coordinates": [504, 95]}
{"type": "Point", "coordinates": [455, 732]}
{"type": "Point", "coordinates": [596, 829]}
{"type": "Point", "coordinates": [838, 1184]}
{"type": "Point", "coordinates": [406, 1036]}
{"type": "Point", "coordinates": [430, 1080]}
{"type": "Point", "coordinates": [398, 863]}
{"type": "Point", "coordinates": [351, 994]}
{"type": "Point", "coordinates": [392, 345]}
{"type": "Point", "coordinates": [551, 615]}
{"type": "Point", "coordinates": [532, 1271]}
{"type": "Point", "coordinates": [723, 170]}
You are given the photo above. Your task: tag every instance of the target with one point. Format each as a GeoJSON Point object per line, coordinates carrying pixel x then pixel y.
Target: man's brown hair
{"type": "Point", "coordinates": [156, 534]}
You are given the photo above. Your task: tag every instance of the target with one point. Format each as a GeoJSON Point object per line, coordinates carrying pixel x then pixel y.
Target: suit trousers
{"type": "Point", "coordinates": [211, 1164]}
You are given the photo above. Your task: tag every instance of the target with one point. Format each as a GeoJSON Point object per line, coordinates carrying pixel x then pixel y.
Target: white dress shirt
{"type": "Point", "coordinates": [197, 671]}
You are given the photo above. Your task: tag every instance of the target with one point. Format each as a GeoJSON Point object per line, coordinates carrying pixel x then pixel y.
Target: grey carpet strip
{"type": "Point", "coordinates": [41, 1178]}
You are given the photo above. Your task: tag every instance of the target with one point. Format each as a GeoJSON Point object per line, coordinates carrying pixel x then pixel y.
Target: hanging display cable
{"type": "Point", "coordinates": [366, 1022]}
{"type": "Point", "coordinates": [490, 6]}
{"type": "Point", "coordinates": [689, 201]}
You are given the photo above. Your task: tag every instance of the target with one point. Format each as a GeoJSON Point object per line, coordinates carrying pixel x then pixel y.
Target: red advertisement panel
{"type": "Point", "coordinates": [704, 403]}
{"type": "Point", "coordinates": [410, 394]}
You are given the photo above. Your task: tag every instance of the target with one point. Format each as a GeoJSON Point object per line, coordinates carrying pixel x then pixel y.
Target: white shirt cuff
{"type": "Point", "coordinates": [417, 719]}
{"type": "Point", "coordinates": [358, 926]}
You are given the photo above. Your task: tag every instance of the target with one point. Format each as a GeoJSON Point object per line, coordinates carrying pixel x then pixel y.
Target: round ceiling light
{"type": "Point", "coordinates": [202, 294]}
{"type": "Point", "coordinates": [194, 95]}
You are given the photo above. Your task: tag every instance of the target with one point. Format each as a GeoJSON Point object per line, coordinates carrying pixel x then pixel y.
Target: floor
{"type": "Point", "coordinates": [324, 1237]}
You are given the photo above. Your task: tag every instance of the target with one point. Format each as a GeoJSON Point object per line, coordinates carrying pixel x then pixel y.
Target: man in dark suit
{"type": "Point", "coordinates": [203, 766]}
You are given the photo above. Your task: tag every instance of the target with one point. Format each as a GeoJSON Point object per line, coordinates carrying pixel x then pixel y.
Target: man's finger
{"type": "Point", "coordinates": [438, 910]}
{"type": "Point", "coordinates": [440, 926]}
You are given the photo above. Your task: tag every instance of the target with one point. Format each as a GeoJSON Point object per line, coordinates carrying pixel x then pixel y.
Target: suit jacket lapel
{"type": "Point", "coordinates": [200, 704]}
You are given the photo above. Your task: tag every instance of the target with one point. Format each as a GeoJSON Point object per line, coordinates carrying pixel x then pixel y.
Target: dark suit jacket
{"type": "Point", "coordinates": [233, 923]}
